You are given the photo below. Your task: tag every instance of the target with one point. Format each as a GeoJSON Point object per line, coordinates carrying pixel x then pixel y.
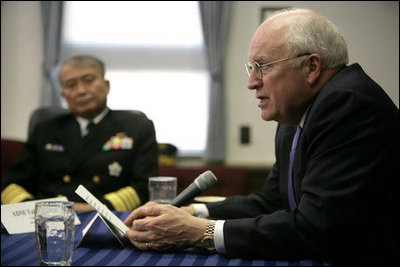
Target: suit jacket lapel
{"type": "Point", "coordinates": [286, 134]}
{"type": "Point", "coordinates": [299, 166]}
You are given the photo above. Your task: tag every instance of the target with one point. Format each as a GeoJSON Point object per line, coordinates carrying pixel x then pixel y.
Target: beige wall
{"type": "Point", "coordinates": [370, 28]}
{"type": "Point", "coordinates": [372, 33]}
{"type": "Point", "coordinates": [21, 59]}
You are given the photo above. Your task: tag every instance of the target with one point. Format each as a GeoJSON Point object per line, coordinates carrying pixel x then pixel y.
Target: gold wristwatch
{"type": "Point", "coordinates": [208, 239]}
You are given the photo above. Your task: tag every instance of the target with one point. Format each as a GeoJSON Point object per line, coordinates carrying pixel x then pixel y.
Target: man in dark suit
{"type": "Point", "coordinates": [112, 153]}
{"type": "Point", "coordinates": [332, 193]}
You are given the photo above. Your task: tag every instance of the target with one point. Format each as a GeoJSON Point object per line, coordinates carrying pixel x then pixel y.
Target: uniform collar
{"type": "Point", "coordinates": [84, 122]}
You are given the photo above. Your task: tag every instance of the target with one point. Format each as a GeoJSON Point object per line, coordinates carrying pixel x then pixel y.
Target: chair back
{"type": "Point", "coordinates": [9, 152]}
{"type": "Point", "coordinates": [43, 114]}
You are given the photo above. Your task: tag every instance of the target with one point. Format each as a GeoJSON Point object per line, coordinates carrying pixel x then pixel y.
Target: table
{"type": "Point", "coordinates": [102, 249]}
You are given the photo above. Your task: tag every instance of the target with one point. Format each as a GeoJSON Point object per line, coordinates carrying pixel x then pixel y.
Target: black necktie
{"type": "Point", "coordinates": [90, 126]}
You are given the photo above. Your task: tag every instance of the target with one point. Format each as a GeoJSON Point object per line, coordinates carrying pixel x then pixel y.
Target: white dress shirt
{"type": "Point", "coordinates": [83, 123]}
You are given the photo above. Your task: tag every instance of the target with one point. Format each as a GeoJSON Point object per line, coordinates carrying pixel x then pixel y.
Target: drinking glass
{"type": "Point", "coordinates": [162, 189]}
{"type": "Point", "coordinates": [55, 231]}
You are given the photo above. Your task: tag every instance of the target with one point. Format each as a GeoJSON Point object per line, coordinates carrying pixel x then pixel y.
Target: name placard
{"type": "Point", "coordinates": [114, 224]}
{"type": "Point", "coordinates": [102, 209]}
{"type": "Point", "coordinates": [19, 218]}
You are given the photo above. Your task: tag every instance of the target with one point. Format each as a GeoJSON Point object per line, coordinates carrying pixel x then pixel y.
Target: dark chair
{"type": "Point", "coordinates": [42, 114]}
{"type": "Point", "coordinates": [45, 113]}
{"type": "Point", "coordinates": [10, 148]}
{"type": "Point", "coordinates": [9, 151]}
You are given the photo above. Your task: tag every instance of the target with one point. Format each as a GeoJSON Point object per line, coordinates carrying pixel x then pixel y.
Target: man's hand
{"type": "Point", "coordinates": [189, 209]}
{"type": "Point", "coordinates": [162, 227]}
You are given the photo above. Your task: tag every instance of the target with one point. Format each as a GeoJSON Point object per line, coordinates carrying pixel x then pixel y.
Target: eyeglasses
{"type": "Point", "coordinates": [250, 66]}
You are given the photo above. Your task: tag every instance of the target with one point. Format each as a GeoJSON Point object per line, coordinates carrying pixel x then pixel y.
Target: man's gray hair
{"type": "Point", "coordinates": [310, 32]}
{"type": "Point", "coordinates": [85, 60]}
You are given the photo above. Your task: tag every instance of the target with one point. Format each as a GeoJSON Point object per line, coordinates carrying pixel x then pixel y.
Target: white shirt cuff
{"type": "Point", "coordinates": [201, 211]}
{"type": "Point", "coordinates": [219, 236]}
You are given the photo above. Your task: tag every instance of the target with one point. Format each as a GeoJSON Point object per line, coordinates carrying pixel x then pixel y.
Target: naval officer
{"type": "Point", "coordinates": [112, 153]}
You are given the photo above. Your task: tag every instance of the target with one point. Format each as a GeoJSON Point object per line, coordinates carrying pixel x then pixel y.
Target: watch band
{"type": "Point", "coordinates": [208, 238]}
{"type": "Point", "coordinates": [210, 228]}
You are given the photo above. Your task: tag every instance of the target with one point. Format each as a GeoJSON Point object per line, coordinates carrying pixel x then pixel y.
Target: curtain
{"type": "Point", "coordinates": [215, 22]}
{"type": "Point", "coordinates": [51, 12]}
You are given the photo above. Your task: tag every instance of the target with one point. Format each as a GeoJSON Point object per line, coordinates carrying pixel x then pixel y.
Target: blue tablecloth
{"type": "Point", "coordinates": [101, 248]}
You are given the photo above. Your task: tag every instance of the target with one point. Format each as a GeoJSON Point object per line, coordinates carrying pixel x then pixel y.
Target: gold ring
{"type": "Point", "coordinates": [147, 245]}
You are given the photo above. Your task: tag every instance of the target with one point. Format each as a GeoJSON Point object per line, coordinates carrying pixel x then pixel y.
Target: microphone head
{"type": "Point", "coordinates": [205, 180]}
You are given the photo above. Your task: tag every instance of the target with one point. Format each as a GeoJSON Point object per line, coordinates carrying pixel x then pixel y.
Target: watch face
{"type": "Point", "coordinates": [208, 243]}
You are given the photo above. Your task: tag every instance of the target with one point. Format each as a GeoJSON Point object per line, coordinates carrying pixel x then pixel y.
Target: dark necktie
{"type": "Point", "coordinates": [90, 127]}
{"type": "Point", "coordinates": [292, 201]}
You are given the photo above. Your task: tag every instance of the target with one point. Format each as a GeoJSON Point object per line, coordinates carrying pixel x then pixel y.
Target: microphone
{"type": "Point", "coordinates": [199, 185]}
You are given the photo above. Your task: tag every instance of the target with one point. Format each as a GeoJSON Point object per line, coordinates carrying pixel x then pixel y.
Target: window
{"type": "Point", "coordinates": [153, 52]}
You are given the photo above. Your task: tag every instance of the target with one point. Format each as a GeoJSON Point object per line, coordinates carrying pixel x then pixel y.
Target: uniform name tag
{"type": "Point", "coordinates": [54, 147]}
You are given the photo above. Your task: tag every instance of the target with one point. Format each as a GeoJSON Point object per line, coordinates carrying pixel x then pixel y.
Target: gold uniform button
{"type": "Point", "coordinates": [66, 179]}
{"type": "Point", "coordinates": [96, 179]}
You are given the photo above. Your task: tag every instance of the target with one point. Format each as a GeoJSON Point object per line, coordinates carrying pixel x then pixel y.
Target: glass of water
{"type": "Point", "coordinates": [162, 189]}
{"type": "Point", "coordinates": [55, 231]}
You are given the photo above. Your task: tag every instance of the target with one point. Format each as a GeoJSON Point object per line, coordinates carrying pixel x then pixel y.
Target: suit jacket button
{"type": "Point", "coordinates": [66, 179]}
{"type": "Point", "coordinates": [96, 179]}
